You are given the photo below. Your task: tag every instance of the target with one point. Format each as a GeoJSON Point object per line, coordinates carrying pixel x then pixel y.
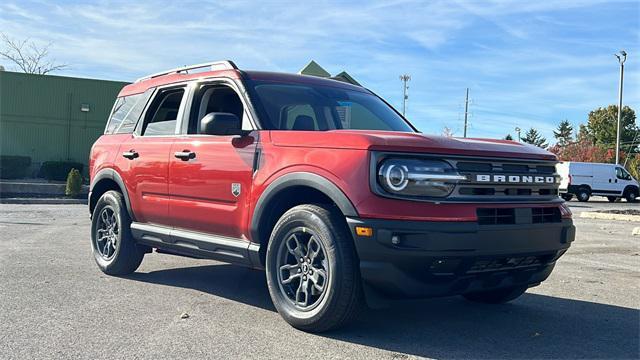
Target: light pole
{"type": "Point", "coordinates": [405, 96]}
{"type": "Point", "coordinates": [518, 131]}
{"type": "Point", "coordinates": [622, 57]}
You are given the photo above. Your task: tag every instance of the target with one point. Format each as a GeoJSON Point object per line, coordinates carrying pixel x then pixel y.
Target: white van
{"type": "Point", "coordinates": [586, 179]}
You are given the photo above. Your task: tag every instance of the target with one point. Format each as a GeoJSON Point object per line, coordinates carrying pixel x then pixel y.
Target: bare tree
{"type": "Point", "coordinates": [29, 57]}
{"type": "Point", "coordinates": [446, 131]}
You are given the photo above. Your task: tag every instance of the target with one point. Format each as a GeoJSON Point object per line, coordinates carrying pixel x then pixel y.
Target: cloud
{"type": "Point", "coordinates": [527, 63]}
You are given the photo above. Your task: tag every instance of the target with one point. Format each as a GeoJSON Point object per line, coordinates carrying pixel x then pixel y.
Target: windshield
{"type": "Point", "coordinates": [306, 107]}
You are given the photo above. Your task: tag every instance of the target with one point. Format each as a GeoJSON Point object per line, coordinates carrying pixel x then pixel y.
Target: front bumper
{"type": "Point", "coordinates": [430, 259]}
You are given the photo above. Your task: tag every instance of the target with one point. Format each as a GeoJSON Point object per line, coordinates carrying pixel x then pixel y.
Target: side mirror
{"type": "Point", "coordinates": [218, 123]}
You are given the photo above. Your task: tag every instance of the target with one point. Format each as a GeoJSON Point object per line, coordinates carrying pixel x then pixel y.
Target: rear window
{"type": "Point", "coordinates": [126, 113]}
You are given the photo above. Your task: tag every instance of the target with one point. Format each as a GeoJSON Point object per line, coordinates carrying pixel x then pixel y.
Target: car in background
{"type": "Point", "coordinates": [584, 180]}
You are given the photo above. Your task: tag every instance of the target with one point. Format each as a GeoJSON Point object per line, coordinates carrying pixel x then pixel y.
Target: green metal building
{"type": "Point", "coordinates": [53, 117]}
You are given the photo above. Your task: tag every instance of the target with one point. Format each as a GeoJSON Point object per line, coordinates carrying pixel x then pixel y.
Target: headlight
{"type": "Point", "coordinates": [417, 177]}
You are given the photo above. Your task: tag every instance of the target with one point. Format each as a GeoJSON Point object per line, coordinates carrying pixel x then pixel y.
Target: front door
{"type": "Point", "coordinates": [210, 175]}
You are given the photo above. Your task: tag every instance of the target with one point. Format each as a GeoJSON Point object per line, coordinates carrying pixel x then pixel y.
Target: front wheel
{"type": "Point", "coordinates": [312, 269]}
{"type": "Point", "coordinates": [499, 296]}
{"type": "Point", "coordinates": [631, 195]}
{"type": "Point", "coordinates": [114, 248]}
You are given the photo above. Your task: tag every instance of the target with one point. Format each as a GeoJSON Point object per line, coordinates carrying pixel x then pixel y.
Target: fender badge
{"type": "Point", "coordinates": [235, 189]}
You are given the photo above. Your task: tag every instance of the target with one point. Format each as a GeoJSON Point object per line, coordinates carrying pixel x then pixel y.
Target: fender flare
{"type": "Point", "coordinates": [308, 179]}
{"type": "Point", "coordinates": [111, 174]}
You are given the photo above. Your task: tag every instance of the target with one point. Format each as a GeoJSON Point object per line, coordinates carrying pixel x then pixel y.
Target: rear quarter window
{"type": "Point", "coordinates": [126, 112]}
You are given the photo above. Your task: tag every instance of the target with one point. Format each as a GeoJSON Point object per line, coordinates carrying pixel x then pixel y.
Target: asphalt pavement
{"type": "Point", "coordinates": [55, 303]}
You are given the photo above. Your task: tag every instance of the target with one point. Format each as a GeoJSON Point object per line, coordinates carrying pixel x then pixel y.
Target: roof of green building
{"type": "Point", "coordinates": [313, 69]}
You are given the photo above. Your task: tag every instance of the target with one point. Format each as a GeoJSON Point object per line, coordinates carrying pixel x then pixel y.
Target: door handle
{"type": "Point", "coordinates": [131, 154]}
{"type": "Point", "coordinates": [185, 155]}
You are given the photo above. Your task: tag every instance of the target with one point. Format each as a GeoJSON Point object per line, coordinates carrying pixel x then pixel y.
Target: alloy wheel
{"type": "Point", "coordinates": [106, 239]}
{"type": "Point", "coordinates": [303, 269]}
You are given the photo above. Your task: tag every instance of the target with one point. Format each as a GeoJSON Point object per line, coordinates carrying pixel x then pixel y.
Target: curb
{"type": "Point", "coordinates": [606, 216]}
{"type": "Point", "coordinates": [42, 201]}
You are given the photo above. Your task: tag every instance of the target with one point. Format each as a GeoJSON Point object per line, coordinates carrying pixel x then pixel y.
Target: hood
{"type": "Point", "coordinates": [409, 142]}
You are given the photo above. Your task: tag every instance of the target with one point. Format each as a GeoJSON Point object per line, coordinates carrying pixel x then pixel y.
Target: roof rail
{"type": "Point", "coordinates": [214, 65]}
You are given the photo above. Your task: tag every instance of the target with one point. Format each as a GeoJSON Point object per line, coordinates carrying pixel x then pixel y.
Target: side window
{"type": "Point", "coordinates": [126, 113]}
{"type": "Point", "coordinates": [161, 118]}
{"type": "Point", "coordinates": [216, 98]}
{"type": "Point", "coordinates": [622, 174]}
{"type": "Point", "coordinates": [298, 117]}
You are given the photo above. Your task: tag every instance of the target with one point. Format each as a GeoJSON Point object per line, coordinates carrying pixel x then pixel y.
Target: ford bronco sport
{"type": "Point", "coordinates": [324, 186]}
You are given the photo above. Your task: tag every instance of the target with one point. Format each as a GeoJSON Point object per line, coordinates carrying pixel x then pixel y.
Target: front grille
{"type": "Point", "coordinates": [480, 265]}
{"type": "Point", "coordinates": [511, 216]}
{"type": "Point", "coordinates": [496, 216]}
{"type": "Point", "coordinates": [546, 215]}
{"type": "Point", "coordinates": [506, 180]}
{"type": "Point", "coordinates": [507, 263]}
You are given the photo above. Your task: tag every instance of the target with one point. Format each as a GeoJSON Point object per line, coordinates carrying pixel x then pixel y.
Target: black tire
{"type": "Point", "coordinates": [631, 195]}
{"type": "Point", "coordinates": [124, 256]}
{"type": "Point", "coordinates": [340, 298]}
{"type": "Point", "coordinates": [567, 197]}
{"type": "Point", "coordinates": [583, 194]}
{"type": "Point", "coordinates": [499, 296]}
{"type": "Point", "coordinates": [612, 199]}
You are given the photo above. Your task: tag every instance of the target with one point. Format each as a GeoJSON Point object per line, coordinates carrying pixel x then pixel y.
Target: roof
{"type": "Point", "coordinates": [300, 79]}
{"type": "Point", "coordinates": [344, 76]}
{"type": "Point", "coordinates": [313, 69]}
{"type": "Point", "coordinates": [172, 78]}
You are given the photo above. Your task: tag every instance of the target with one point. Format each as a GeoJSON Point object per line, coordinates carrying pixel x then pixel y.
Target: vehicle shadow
{"type": "Point", "coordinates": [534, 326]}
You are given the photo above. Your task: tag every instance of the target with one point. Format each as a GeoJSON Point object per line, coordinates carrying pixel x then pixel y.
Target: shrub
{"type": "Point", "coordinates": [58, 170]}
{"type": "Point", "coordinates": [14, 167]}
{"type": "Point", "coordinates": [74, 183]}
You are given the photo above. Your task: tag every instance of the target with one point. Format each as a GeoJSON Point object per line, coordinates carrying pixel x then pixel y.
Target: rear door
{"type": "Point", "coordinates": [144, 158]}
{"type": "Point", "coordinates": [210, 189]}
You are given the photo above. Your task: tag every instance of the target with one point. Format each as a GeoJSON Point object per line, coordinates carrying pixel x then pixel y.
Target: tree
{"type": "Point", "coordinates": [564, 133]}
{"type": "Point", "coordinates": [584, 151]}
{"type": "Point", "coordinates": [508, 137]}
{"type": "Point", "coordinates": [29, 57]}
{"type": "Point", "coordinates": [532, 136]}
{"type": "Point", "coordinates": [602, 126]}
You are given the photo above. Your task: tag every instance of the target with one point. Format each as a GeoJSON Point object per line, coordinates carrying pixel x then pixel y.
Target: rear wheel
{"type": "Point", "coordinates": [312, 269]}
{"type": "Point", "coordinates": [567, 197]}
{"type": "Point", "coordinates": [114, 249]}
{"type": "Point", "coordinates": [583, 194]}
{"type": "Point", "coordinates": [612, 199]}
{"type": "Point", "coordinates": [499, 296]}
{"type": "Point", "coordinates": [631, 195]}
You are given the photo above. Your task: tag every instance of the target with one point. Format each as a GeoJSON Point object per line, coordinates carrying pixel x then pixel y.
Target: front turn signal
{"type": "Point", "coordinates": [364, 231]}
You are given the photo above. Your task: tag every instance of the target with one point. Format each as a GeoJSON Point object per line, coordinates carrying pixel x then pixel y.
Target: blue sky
{"type": "Point", "coordinates": [527, 63]}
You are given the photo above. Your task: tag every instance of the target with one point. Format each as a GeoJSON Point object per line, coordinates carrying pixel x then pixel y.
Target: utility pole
{"type": "Point", "coordinates": [466, 111]}
{"type": "Point", "coordinates": [622, 57]}
{"type": "Point", "coordinates": [518, 131]}
{"type": "Point", "coordinates": [405, 95]}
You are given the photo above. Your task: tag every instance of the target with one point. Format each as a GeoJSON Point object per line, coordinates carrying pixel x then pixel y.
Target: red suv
{"type": "Point", "coordinates": [325, 186]}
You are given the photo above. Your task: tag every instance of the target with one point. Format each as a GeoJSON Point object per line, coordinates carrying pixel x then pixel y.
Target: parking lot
{"type": "Point", "coordinates": [55, 303]}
